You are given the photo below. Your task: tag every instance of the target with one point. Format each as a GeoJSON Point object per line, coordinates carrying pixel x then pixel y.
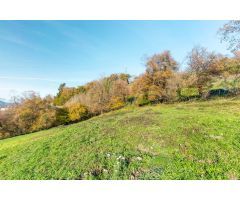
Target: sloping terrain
{"type": "Point", "coordinates": [198, 140]}
{"type": "Point", "coordinates": [3, 104]}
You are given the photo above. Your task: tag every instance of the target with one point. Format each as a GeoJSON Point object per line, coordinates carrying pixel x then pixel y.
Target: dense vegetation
{"type": "Point", "coordinates": [161, 82]}
{"type": "Point", "coordinates": [194, 140]}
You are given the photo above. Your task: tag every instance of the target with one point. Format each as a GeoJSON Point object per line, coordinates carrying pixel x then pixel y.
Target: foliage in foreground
{"type": "Point", "coordinates": [198, 140]}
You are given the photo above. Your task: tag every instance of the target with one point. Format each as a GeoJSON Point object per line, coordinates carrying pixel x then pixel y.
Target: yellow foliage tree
{"type": "Point", "coordinates": [116, 103]}
{"type": "Point", "coordinates": [77, 112]}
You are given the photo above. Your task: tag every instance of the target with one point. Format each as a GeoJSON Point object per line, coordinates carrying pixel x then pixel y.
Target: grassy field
{"type": "Point", "coordinates": [198, 140]}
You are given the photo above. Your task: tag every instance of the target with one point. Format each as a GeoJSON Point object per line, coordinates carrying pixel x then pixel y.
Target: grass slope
{"type": "Point", "coordinates": [199, 140]}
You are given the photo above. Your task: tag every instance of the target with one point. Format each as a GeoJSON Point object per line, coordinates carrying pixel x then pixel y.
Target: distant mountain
{"type": "Point", "coordinates": [3, 103]}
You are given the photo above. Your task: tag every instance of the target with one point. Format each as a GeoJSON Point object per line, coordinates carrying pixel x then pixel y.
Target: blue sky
{"type": "Point", "coordinates": [39, 55]}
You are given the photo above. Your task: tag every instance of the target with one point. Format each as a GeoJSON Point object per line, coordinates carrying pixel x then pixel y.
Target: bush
{"type": "Point", "coordinates": [77, 112]}
{"type": "Point", "coordinates": [142, 100]}
{"type": "Point", "coordinates": [116, 103]}
{"type": "Point", "coordinates": [45, 120]}
{"type": "Point", "coordinates": [4, 134]}
{"type": "Point", "coordinates": [130, 99]}
{"type": "Point", "coordinates": [62, 116]}
{"type": "Point", "coordinates": [187, 92]}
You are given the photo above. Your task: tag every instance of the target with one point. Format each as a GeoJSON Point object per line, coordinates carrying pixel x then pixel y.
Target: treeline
{"type": "Point", "coordinates": [161, 82]}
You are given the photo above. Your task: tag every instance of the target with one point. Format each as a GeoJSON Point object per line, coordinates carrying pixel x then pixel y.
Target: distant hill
{"type": "Point", "coordinates": [3, 103]}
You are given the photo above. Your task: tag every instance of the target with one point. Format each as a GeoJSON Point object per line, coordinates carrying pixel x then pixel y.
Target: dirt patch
{"type": "Point", "coordinates": [108, 131]}
{"type": "Point", "coordinates": [138, 120]}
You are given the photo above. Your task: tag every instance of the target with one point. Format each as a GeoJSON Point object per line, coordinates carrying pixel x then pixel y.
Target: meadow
{"type": "Point", "coordinates": [188, 140]}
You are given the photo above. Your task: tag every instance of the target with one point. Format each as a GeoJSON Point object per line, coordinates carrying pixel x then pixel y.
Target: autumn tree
{"type": "Point", "coordinates": [102, 95]}
{"type": "Point", "coordinates": [77, 112]}
{"type": "Point", "coordinates": [30, 113]}
{"type": "Point", "coordinates": [229, 68]}
{"type": "Point", "coordinates": [230, 33]}
{"type": "Point", "coordinates": [158, 83]}
{"type": "Point", "coordinates": [202, 67]}
{"type": "Point", "coordinates": [65, 93]}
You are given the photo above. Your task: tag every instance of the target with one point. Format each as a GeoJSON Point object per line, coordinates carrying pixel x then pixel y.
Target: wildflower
{"type": "Point", "coordinates": [105, 170]}
{"type": "Point", "coordinates": [121, 158]}
{"type": "Point", "coordinates": [139, 158]}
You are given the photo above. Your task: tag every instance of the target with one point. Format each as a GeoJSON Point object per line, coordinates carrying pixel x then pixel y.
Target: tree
{"type": "Point", "coordinates": [60, 89]}
{"type": "Point", "coordinates": [230, 71]}
{"type": "Point", "coordinates": [77, 112]}
{"type": "Point", "coordinates": [102, 95]}
{"type": "Point", "coordinates": [202, 66]}
{"type": "Point", "coordinates": [30, 113]}
{"type": "Point", "coordinates": [158, 83]}
{"type": "Point", "coordinates": [119, 89]}
{"type": "Point", "coordinates": [65, 93]}
{"type": "Point", "coordinates": [125, 77]}
{"type": "Point", "coordinates": [230, 33]}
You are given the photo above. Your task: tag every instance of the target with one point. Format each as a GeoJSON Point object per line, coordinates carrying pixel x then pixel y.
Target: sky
{"type": "Point", "coordinates": [39, 55]}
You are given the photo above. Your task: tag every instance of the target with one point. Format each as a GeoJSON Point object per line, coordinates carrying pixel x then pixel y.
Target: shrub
{"type": "Point", "coordinates": [62, 116]}
{"type": "Point", "coordinates": [186, 92]}
{"type": "Point", "coordinates": [130, 99]}
{"type": "Point", "coordinates": [77, 112]}
{"type": "Point", "coordinates": [142, 100]}
{"type": "Point", "coordinates": [45, 120]}
{"type": "Point", "coordinates": [4, 134]}
{"type": "Point", "coordinates": [116, 103]}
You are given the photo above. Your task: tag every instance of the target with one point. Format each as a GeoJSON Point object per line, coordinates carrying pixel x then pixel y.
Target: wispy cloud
{"type": "Point", "coordinates": [42, 79]}
{"type": "Point", "coordinates": [14, 38]}
{"type": "Point", "coordinates": [28, 78]}
{"type": "Point", "coordinates": [76, 35]}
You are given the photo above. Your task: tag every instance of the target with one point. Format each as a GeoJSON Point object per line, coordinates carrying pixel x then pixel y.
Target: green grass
{"type": "Point", "coordinates": [197, 140]}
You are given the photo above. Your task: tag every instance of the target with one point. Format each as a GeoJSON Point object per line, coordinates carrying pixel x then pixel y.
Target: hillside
{"type": "Point", "coordinates": [3, 104]}
{"type": "Point", "coordinates": [198, 140]}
